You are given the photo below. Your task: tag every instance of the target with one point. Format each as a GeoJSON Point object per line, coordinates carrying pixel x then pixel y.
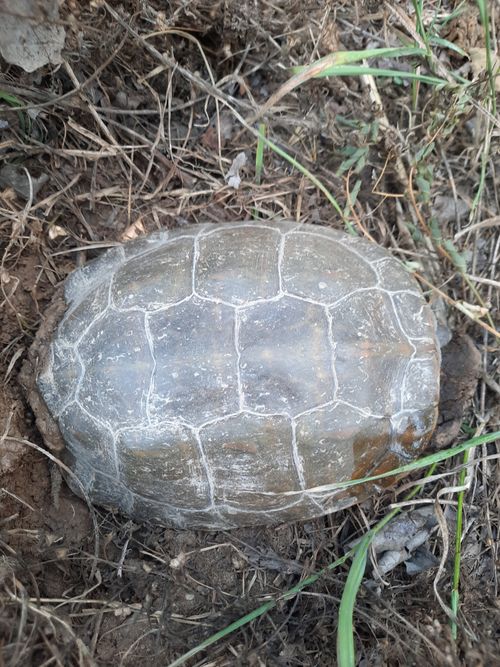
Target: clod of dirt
{"type": "Point", "coordinates": [11, 424]}
{"type": "Point", "coordinates": [448, 209]}
{"type": "Point", "coordinates": [460, 369]}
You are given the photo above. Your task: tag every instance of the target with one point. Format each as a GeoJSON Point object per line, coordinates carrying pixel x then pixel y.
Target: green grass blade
{"type": "Point", "coordinates": [279, 151]}
{"type": "Point", "coordinates": [259, 161]}
{"type": "Point", "coordinates": [485, 20]}
{"type": "Point", "coordinates": [436, 457]}
{"type": "Point", "coordinates": [345, 628]}
{"type": "Point", "coordinates": [353, 196]}
{"type": "Point", "coordinates": [259, 156]}
{"type": "Point", "coordinates": [418, 7]}
{"type": "Point", "coordinates": [458, 550]}
{"type": "Point", "coordinates": [354, 159]}
{"type": "Point", "coordinates": [359, 70]}
{"type": "Point", "coordinates": [446, 44]}
{"type": "Point", "coordinates": [348, 57]}
{"type": "Point", "coordinates": [223, 633]}
{"type": "Point", "coordinates": [11, 100]}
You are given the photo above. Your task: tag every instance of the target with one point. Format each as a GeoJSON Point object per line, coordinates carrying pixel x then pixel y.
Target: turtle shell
{"type": "Point", "coordinates": [225, 375]}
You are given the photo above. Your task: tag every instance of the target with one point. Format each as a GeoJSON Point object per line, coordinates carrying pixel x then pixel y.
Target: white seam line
{"type": "Point", "coordinates": [405, 336]}
{"type": "Point", "coordinates": [361, 411]}
{"type": "Point", "coordinates": [251, 411]}
{"type": "Point", "coordinates": [241, 396]}
{"type": "Point", "coordinates": [105, 425]}
{"type": "Point", "coordinates": [196, 254]}
{"type": "Point", "coordinates": [216, 420]}
{"type": "Point", "coordinates": [316, 408]}
{"type": "Point", "coordinates": [256, 302]}
{"type": "Point", "coordinates": [281, 254]}
{"type": "Point", "coordinates": [206, 466]}
{"type": "Point", "coordinates": [96, 319]}
{"type": "Point", "coordinates": [247, 411]}
{"type": "Point", "coordinates": [359, 290]}
{"type": "Point", "coordinates": [299, 469]}
{"type": "Point", "coordinates": [316, 502]}
{"type": "Point", "coordinates": [161, 309]}
{"type": "Point", "coordinates": [149, 394]}
{"type": "Point", "coordinates": [79, 382]}
{"type": "Point", "coordinates": [331, 342]}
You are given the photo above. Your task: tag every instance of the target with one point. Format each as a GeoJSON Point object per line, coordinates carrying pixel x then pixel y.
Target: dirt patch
{"type": "Point", "coordinates": [136, 131]}
{"type": "Point", "coordinates": [460, 371]}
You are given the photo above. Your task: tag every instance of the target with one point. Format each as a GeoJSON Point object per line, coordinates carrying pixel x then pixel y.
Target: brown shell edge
{"type": "Point", "coordinates": [34, 363]}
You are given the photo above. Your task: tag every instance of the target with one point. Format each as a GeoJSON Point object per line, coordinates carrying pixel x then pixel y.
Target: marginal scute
{"type": "Point", "coordinates": [331, 278]}
{"type": "Point", "coordinates": [163, 461]}
{"type": "Point", "coordinates": [415, 316]}
{"type": "Point", "coordinates": [87, 278]}
{"type": "Point", "coordinates": [140, 283]}
{"type": "Point", "coordinates": [87, 439]}
{"type": "Point", "coordinates": [371, 352]}
{"type": "Point", "coordinates": [146, 510]}
{"type": "Point", "coordinates": [328, 233]}
{"type": "Point", "coordinates": [111, 493]}
{"type": "Point", "coordinates": [196, 376]}
{"type": "Point", "coordinates": [421, 386]}
{"type": "Point", "coordinates": [144, 244]}
{"type": "Point", "coordinates": [336, 441]}
{"type": "Point", "coordinates": [252, 461]}
{"type": "Point", "coordinates": [59, 376]}
{"type": "Point", "coordinates": [118, 368]}
{"type": "Point", "coordinates": [83, 473]}
{"type": "Point", "coordinates": [411, 431]}
{"type": "Point", "coordinates": [285, 356]}
{"type": "Point", "coordinates": [82, 313]}
{"type": "Point", "coordinates": [283, 226]}
{"type": "Point", "coordinates": [335, 502]}
{"type": "Point", "coordinates": [367, 249]}
{"type": "Point", "coordinates": [245, 269]}
{"type": "Point", "coordinates": [151, 511]}
{"type": "Point", "coordinates": [393, 276]}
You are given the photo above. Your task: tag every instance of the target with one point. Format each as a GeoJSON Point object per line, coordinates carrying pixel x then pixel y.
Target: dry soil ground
{"type": "Point", "coordinates": [135, 130]}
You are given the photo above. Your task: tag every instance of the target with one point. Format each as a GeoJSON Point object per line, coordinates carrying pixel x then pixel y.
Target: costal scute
{"type": "Point", "coordinates": [222, 375]}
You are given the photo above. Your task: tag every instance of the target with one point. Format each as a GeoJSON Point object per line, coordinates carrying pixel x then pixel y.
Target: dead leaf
{"type": "Point", "coordinates": [233, 177]}
{"type": "Point", "coordinates": [55, 231]}
{"type": "Point", "coordinates": [133, 231]}
{"type": "Point", "coordinates": [29, 37]}
{"type": "Point", "coordinates": [480, 66]}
